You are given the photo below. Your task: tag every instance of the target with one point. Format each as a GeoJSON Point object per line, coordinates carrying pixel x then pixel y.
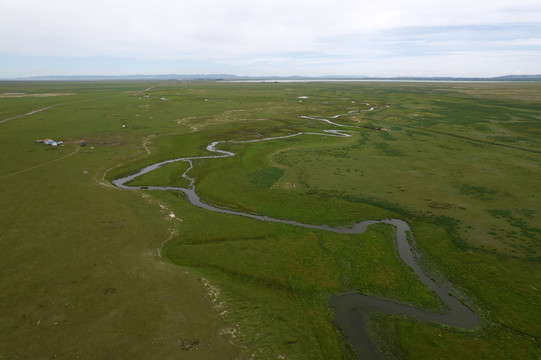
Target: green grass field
{"type": "Point", "coordinates": [92, 271]}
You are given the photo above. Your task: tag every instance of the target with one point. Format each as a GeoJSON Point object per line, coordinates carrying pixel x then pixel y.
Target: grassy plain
{"type": "Point", "coordinates": [81, 275]}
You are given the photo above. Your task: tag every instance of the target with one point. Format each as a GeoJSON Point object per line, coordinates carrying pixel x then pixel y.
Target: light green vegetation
{"type": "Point", "coordinates": [168, 175]}
{"type": "Point", "coordinates": [81, 275]}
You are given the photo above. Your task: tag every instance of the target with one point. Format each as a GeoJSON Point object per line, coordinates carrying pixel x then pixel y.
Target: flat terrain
{"type": "Point", "coordinates": [92, 271]}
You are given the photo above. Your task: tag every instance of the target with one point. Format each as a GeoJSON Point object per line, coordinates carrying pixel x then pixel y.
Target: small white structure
{"type": "Point", "coordinates": [48, 142]}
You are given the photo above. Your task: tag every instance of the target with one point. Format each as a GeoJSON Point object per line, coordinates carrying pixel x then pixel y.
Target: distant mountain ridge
{"type": "Point", "coordinates": [236, 77]}
{"type": "Point", "coordinates": [127, 77]}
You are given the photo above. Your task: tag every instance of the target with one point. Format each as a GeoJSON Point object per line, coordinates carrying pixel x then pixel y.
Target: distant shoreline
{"type": "Point", "coordinates": [370, 80]}
{"type": "Point", "coordinates": [236, 78]}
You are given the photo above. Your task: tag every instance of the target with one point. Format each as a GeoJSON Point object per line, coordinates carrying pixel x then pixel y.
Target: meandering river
{"type": "Point", "coordinates": [351, 310]}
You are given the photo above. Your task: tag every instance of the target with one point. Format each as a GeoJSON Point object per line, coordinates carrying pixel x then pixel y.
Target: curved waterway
{"type": "Point", "coordinates": [351, 310]}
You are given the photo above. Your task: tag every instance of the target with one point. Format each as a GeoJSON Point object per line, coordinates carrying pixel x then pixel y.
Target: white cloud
{"type": "Point", "coordinates": [218, 30]}
{"type": "Point", "coordinates": [524, 42]}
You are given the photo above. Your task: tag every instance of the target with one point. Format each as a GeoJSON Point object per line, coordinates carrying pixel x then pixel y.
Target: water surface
{"type": "Point", "coordinates": [351, 310]}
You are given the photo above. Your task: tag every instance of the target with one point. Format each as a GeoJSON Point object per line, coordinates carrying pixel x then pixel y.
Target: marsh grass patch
{"type": "Point", "coordinates": [266, 177]}
{"type": "Point", "coordinates": [63, 233]}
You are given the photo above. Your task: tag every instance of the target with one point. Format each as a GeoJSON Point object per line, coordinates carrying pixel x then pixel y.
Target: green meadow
{"type": "Point", "coordinates": [89, 270]}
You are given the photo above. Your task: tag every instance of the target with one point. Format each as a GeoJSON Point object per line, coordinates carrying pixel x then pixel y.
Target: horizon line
{"type": "Point", "coordinates": [218, 76]}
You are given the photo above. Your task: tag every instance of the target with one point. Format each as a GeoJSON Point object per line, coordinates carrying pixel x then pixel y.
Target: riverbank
{"type": "Point", "coordinates": [83, 255]}
{"type": "Point", "coordinates": [351, 310]}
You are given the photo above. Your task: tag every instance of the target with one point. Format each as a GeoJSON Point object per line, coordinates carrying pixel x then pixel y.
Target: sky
{"type": "Point", "coordinates": [466, 38]}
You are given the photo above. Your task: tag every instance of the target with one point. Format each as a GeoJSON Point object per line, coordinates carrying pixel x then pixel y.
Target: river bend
{"type": "Point", "coordinates": [351, 310]}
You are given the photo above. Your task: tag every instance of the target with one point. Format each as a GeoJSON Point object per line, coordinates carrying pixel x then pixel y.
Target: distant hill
{"type": "Point", "coordinates": [519, 78]}
{"type": "Point", "coordinates": [443, 78]}
{"type": "Point", "coordinates": [129, 77]}
{"type": "Point", "coordinates": [236, 77]}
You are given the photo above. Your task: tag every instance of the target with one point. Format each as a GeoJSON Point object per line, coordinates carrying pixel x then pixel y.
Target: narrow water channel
{"type": "Point", "coordinates": [351, 310]}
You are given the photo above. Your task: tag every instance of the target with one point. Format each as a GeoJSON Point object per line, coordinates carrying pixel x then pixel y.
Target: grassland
{"type": "Point", "coordinates": [92, 271]}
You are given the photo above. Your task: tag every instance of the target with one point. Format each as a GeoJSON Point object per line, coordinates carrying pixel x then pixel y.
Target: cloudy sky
{"type": "Point", "coordinates": [270, 37]}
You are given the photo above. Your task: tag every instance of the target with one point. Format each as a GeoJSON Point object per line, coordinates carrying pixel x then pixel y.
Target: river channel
{"type": "Point", "coordinates": [351, 310]}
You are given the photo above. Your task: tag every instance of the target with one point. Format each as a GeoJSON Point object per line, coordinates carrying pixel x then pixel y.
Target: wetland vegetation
{"type": "Point", "coordinates": [460, 162]}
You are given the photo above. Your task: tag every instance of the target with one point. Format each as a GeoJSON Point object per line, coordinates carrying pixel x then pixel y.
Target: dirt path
{"type": "Point", "coordinates": [41, 165]}
{"type": "Point", "coordinates": [104, 182]}
{"type": "Point", "coordinates": [52, 106]}
{"type": "Point", "coordinates": [351, 309]}
{"type": "Point", "coordinates": [146, 142]}
{"type": "Point", "coordinates": [45, 108]}
{"type": "Point", "coordinates": [147, 89]}
{"type": "Point", "coordinates": [29, 113]}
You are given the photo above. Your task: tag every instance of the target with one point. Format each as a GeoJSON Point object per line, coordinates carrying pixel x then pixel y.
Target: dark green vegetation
{"type": "Point", "coordinates": [80, 273]}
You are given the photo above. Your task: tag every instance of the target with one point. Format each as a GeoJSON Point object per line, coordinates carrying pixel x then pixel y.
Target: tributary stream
{"type": "Point", "coordinates": [351, 310]}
